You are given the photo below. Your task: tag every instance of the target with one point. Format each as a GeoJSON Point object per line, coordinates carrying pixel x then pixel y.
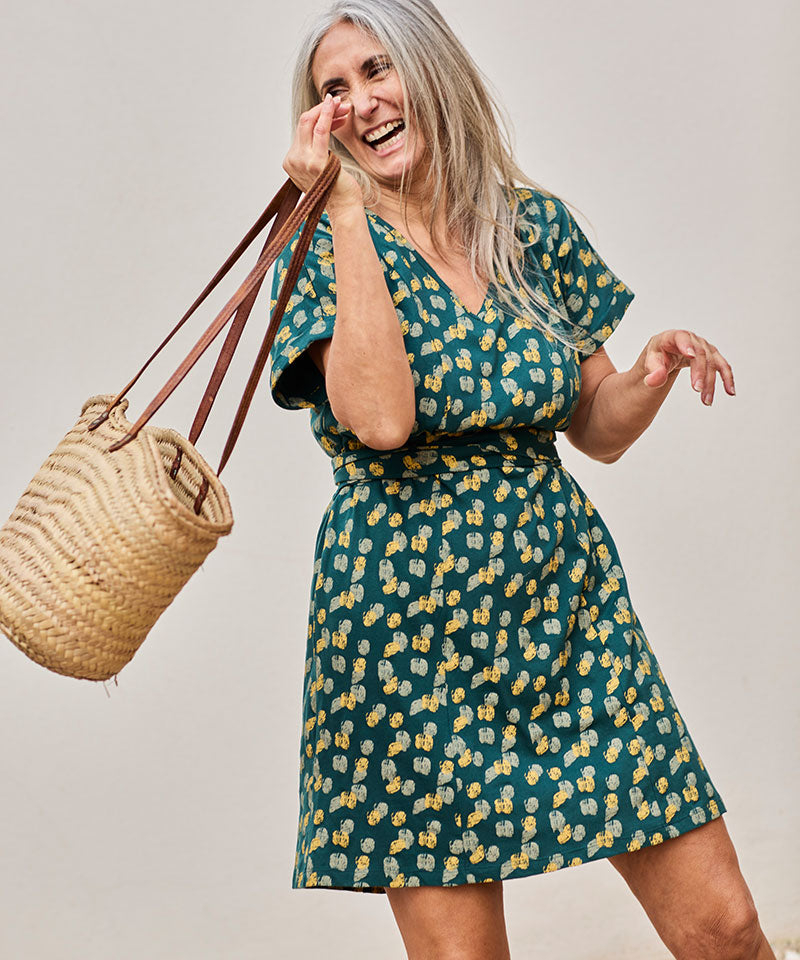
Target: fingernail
{"type": "Point", "coordinates": [698, 385]}
{"type": "Point", "coordinates": [327, 97]}
{"type": "Point", "coordinates": [690, 351]}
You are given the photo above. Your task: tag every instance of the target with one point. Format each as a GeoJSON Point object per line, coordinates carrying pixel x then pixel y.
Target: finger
{"type": "Point", "coordinates": [698, 369]}
{"type": "Point", "coordinates": [656, 368]}
{"type": "Point", "coordinates": [684, 350]}
{"type": "Point", "coordinates": [708, 390]}
{"type": "Point", "coordinates": [309, 119]}
{"type": "Point", "coordinates": [712, 357]}
{"type": "Point", "coordinates": [726, 374]}
{"type": "Point", "coordinates": [340, 114]}
{"type": "Point", "coordinates": [343, 113]}
{"type": "Point", "coordinates": [322, 128]}
{"type": "Point", "coordinates": [683, 342]}
{"type": "Point", "coordinates": [707, 395]}
{"type": "Point", "coordinates": [666, 353]}
{"type": "Point", "coordinates": [722, 366]}
{"type": "Point", "coordinates": [304, 137]}
{"type": "Point", "coordinates": [711, 373]}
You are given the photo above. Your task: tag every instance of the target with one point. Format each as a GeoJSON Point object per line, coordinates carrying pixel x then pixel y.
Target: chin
{"type": "Point", "coordinates": [391, 169]}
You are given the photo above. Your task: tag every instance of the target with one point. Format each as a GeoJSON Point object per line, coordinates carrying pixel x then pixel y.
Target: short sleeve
{"type": "Point", "coordinates": [295, 380]}
{"type": "Point", "coordinates": [595, 297]}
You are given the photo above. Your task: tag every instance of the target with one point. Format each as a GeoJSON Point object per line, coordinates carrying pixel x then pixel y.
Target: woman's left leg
{"type": "Point", "coordinates": [694, 893]}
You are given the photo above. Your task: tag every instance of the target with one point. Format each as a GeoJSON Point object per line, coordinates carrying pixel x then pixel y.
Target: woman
{"type": "Point", "coordinates": [480, 702]}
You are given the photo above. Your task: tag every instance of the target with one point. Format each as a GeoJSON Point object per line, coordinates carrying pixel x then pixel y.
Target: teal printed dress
{"type": "Point", "coordinates": [480, 701]}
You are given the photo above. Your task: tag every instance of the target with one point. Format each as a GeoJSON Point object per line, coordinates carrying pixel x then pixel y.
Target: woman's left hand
{"type": "Point", "coordinates": [668, 352]}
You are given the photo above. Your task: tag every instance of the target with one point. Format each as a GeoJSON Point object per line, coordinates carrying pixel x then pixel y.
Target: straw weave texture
{"type": "Point", "coordinates": [100, 543]}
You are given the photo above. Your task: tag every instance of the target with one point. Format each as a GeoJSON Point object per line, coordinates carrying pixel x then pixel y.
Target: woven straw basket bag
{"type": "Point", "coordinates": [120, 515]}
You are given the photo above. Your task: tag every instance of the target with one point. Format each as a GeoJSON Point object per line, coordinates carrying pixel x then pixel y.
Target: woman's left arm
{"type": "Point", "coordinates": [615, 408]}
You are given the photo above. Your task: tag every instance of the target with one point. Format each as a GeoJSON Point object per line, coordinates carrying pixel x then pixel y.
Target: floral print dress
{"type": "Point", "coordinates": [480, 701]}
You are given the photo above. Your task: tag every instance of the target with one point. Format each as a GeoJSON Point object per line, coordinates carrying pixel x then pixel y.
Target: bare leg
{"type": "Point", "coordinates": [693, 891]}
{"type": "Point", "coordinates": [464, 922]}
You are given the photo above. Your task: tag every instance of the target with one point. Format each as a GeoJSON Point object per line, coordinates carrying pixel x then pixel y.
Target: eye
{"type": "Point", "coordinates": [377, 68]}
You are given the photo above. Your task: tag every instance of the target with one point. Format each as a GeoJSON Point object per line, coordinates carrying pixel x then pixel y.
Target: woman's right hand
{"type": "Point", "coordinates": [308, 153]}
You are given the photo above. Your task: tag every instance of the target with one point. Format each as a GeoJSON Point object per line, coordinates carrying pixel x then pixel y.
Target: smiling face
{"type": "Point", "coordinates": [351, 63]}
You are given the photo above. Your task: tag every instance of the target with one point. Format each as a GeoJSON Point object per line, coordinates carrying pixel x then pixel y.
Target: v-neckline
{"type": "Point", "coordinates": [486, 300]}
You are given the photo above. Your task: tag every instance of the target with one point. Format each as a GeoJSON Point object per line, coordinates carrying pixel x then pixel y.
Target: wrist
{"type": "Point", "coordinates": [348, 209]}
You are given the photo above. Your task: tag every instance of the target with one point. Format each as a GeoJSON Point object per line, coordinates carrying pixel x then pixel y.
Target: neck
{"type": "Point", "coordinates": [412, 219]}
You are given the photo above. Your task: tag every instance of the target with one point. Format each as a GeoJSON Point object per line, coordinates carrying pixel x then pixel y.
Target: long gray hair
{"type": "Point", "coordinates": [472, 170]}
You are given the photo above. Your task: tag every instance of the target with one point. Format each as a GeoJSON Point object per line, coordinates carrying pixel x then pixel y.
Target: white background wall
{"type": "Point", "coordinates": [156, 818]}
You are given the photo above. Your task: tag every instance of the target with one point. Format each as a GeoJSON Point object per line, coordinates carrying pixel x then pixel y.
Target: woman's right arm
{"type": "Point", "coordinates": [367, 374]}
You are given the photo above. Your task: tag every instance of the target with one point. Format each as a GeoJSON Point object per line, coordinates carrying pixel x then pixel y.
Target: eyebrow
{"type": "Point", "coordinates": [365, 66]}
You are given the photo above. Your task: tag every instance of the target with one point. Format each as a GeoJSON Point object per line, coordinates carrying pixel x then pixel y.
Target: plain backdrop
{"type": "Point", "coordinates": [156, 817]}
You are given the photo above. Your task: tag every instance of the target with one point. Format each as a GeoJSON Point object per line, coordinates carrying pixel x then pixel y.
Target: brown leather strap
{"type": "Point", "coordinates": [310, 209]}
{"type": "Point", "coordinates": [288, 189]}
{"type": "Point", "coordinates": [293, 271]}
{"type": "Point", "coordinates": [232, 339]}
{"type": "Point", "coordinates": [322, 185]}
{"type": "Point", "coordinates": [235, 332]}
{"type": "Point", "coordinates": [287, 286]}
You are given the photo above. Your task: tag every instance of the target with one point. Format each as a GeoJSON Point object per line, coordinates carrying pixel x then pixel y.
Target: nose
{"type": "Point", "coordinates": [364, 103]}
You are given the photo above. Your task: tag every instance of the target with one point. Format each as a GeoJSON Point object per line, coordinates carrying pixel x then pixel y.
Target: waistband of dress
{"type": "Point", "coordinates": [504, 449]}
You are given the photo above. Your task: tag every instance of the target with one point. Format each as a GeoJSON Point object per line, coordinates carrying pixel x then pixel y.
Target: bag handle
{"type": "Point", "coordinates": [303, 243]}
{"type": "Point", "coordinates": [285, 231]}
{"type": "Point", "coordinates": [292, 274]}
{"type": "Point", "coordinates": [287, 193]}
{"type": "Point", "coordinates": [234, 334]}
{"type": "Point", "coordinates": [290, 214]}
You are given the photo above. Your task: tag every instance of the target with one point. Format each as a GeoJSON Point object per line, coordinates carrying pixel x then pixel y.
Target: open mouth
{"type": "Point", "coordinates": [389, 137]}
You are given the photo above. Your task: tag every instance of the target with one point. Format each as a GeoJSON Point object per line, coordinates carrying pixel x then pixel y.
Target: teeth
{"type": "Point", "coordinates": [382, 131]}
{"type": "Point", "coordinates": [389, 143]}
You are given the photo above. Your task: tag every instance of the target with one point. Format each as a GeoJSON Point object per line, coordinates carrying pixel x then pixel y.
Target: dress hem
{"type": "Point", "coordinates": [534, 868]}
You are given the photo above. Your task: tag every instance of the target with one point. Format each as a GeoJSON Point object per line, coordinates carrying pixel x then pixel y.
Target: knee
{"type": "Point", "coordinates": [732, 932]}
